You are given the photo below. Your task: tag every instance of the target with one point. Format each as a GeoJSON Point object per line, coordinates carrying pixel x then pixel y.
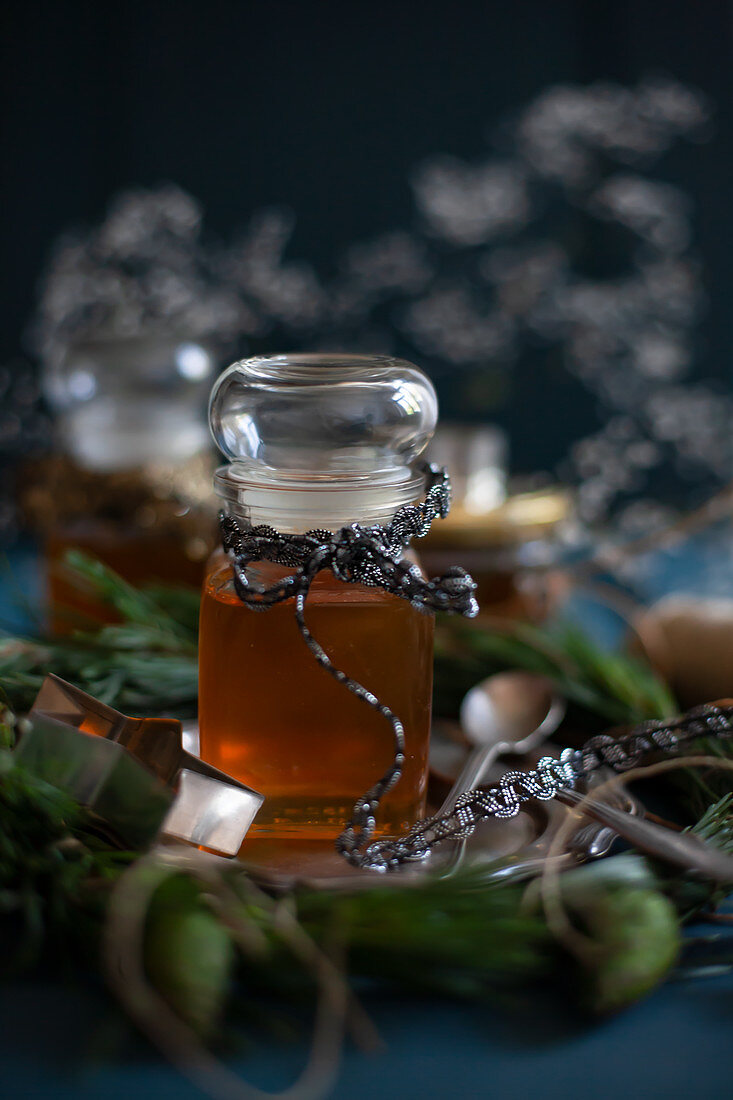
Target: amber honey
{"type": "Point", "coordinates": [273, 718]}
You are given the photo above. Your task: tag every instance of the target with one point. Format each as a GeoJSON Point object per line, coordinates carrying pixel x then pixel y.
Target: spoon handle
{"type": "Point", "coordinates": [470, 776]}
{"type": "Point", "coordinates": [478, 763]}
{"type": "Point", "coordinates": [682, 849]}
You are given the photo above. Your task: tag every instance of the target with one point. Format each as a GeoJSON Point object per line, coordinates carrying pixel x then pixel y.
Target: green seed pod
{"type": "Point", "coordinates": [189, 957]}
{"type": "Point", "coordinates": [638, 932]}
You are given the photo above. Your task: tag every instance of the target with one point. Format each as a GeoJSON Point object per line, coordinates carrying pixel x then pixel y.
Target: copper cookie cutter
{"type": "Point", "coordinates": [133, 772]}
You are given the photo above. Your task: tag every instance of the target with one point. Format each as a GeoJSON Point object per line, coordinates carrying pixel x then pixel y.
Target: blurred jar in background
{"type": "Point", "coordinates": [129, 480]}
{"type": "Point", "coordinates": [505, 540]}
{"type": "Point", "coordinates": [476, 458]}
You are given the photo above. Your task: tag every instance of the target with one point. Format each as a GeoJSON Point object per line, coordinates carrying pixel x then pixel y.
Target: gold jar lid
{"type": "Point", "coordinates": [522, 517]}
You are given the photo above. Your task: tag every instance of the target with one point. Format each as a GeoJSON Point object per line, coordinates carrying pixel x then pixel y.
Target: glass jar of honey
{"type": "Point", "coordinates": [316, 442]}
{"type": "Point", "coordinates": [509, 540]}
{"type": "Point", "coordinates": [128, 481]}
{"type": "Point", "coordinates": [510, 551]}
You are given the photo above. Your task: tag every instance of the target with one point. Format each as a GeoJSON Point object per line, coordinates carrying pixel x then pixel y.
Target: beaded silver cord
{"type": "Point", "coordinates": [356, 555]}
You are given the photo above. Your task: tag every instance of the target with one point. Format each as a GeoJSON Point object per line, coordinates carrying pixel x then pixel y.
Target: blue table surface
{"type": "Point", "coordinates": [58, 1042]}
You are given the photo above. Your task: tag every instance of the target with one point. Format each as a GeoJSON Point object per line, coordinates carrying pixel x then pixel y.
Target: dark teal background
{"type": "Point", "coordinates": [326, 107]}
{"type": "Point", "coordinates": [675, 1046]}
{"type": "Point", "coordinates": [322, 105]}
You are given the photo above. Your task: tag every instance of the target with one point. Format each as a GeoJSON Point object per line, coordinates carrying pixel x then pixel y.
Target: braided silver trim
{"type": "Point", "coordinates": [621, 753]}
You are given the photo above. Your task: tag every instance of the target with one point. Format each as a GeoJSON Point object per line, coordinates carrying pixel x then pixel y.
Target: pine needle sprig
{"type": "Point", "coordinates": [162, 611]}
{"type": "Point", "coordinates": [146, 663]}
{"type": "Point", "coordinates": [50, 861]}
{"type": "Point", "coordinates": [618, 689]}
{"type": "Point", "coordinates": [460, 936]}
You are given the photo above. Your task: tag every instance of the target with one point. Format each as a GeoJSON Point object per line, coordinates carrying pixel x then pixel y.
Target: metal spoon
{"type": "Point", "coordinates": [509, 714]}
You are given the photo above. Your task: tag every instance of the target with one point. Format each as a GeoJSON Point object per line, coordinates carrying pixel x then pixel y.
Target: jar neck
{"type": "Point", "coordinates": [295, 505]}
